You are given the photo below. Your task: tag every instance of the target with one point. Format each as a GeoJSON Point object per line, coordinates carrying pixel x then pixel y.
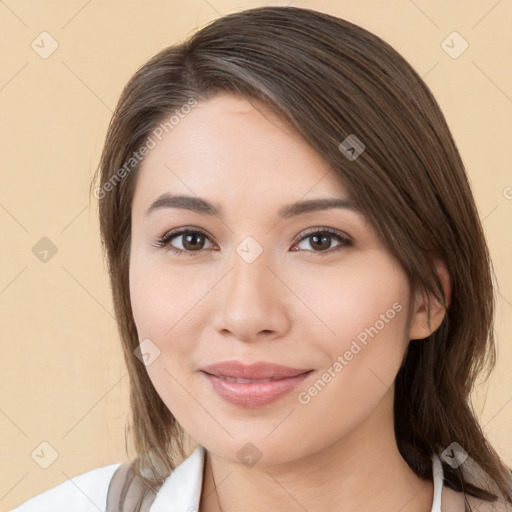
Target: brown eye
{"type": "Point", "coordinates": [185, 241]}
{"type": "Point", "coordinates": [320, 241]}
{"type": "Point", "coordinates": [193, 241]}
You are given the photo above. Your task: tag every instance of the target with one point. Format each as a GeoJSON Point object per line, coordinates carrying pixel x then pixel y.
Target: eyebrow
{"type": "Point", "coordinates": [203, 207]}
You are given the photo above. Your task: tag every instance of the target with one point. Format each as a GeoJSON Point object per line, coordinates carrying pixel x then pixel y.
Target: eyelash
{"type": "Point", "coordinates": [165, 240]}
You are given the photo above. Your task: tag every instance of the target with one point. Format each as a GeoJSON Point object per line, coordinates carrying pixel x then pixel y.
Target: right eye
{"type": "Point", "coordinates": [192, 241]}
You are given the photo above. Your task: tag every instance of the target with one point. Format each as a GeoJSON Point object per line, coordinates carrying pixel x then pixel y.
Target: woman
{"type": "Point", "coordinates": [300, 279]}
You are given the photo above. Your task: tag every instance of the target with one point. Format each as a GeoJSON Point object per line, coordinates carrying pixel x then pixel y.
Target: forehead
{"type": "Point", "coordinates": [235, 152]}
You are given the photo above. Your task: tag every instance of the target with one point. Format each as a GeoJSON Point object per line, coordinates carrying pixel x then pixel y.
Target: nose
{"type": "Point", "coordinates": [252, 302]}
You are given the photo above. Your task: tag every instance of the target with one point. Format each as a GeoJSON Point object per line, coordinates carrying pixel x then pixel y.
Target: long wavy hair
{"type": "Point", "coordinates": [330, 78]}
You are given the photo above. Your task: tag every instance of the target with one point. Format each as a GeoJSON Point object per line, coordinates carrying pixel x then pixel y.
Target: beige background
{"type": "Point", "coordinates": [63, 379]}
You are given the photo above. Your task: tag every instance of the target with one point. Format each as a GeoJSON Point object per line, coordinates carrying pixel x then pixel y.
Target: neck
{"type": "Point", "coordinates": [363, 471]}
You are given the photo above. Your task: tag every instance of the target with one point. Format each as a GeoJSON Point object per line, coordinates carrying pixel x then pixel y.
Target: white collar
{"type": "Point", "coordinates": [181, 491]}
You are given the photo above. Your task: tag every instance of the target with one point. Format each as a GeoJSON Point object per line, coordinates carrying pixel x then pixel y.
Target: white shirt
{"type": "Point", "coordinates": [180, 492]}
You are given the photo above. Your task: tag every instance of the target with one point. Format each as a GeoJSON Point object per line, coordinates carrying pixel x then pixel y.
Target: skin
{"type": "Point", "coordinates": [298, 308]}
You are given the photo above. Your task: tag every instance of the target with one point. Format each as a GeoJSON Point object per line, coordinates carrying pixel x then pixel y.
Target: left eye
{"type": "Point", "coordinates": [321, 240]}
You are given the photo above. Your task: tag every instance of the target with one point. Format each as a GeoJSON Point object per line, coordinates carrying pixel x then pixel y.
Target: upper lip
{"type": "Point", "coordinates": [258, 370]}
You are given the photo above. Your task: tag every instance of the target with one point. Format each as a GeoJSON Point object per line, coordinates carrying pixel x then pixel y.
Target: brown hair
{"type": "Point", "coordinates": [330, 79]}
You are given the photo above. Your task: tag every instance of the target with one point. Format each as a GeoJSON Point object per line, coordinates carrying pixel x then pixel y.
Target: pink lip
{"type": "Point", "coordinates": [253, 394]}
{"type": "Point", "coordinates": [254, 371]}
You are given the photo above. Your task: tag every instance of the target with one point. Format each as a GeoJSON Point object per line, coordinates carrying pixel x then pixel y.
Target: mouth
{"type": "Point", "coordinates": [254, 393]}
{"type": "Point", "coordinates": [253, 372]}
{"type": "Point", "coordinates": [241, 380]}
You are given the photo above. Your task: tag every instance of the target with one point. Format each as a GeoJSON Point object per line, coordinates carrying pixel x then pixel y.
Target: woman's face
{"type": "Point", "coordinates": [252, 285]}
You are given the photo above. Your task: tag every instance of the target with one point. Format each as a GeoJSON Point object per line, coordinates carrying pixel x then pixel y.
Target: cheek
{"type": "Point", "coordinates": [360, 324]}
{"type": "Point", "coordinates": [344, 302]}
{"type": "Point", "coordinates": [168, 308]}
{"type": "Point", "coordinates": [164, 312]}
{"type": "Point", "coordinates": [364, 315]}
{"type": "Point", "coordinates": [159, 296]}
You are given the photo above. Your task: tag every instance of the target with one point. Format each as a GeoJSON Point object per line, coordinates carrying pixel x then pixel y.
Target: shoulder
{"type": "Point", "coordinates": [453, 501]}
{"type": "Point", "coordinates": [83, 493]}
{"type": "Point", "coordinates": [488, 506]}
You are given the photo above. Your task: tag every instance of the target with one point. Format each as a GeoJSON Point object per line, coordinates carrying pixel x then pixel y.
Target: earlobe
{"type": "Point", "coordinates": [428, 313]}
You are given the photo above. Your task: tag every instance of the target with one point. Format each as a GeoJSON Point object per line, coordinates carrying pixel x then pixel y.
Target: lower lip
{"type": "Point", "coordinates": [254, 394]}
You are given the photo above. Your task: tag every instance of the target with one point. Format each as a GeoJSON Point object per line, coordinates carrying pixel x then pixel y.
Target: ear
{"type": "Point", "coordinates": [420, 327]}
